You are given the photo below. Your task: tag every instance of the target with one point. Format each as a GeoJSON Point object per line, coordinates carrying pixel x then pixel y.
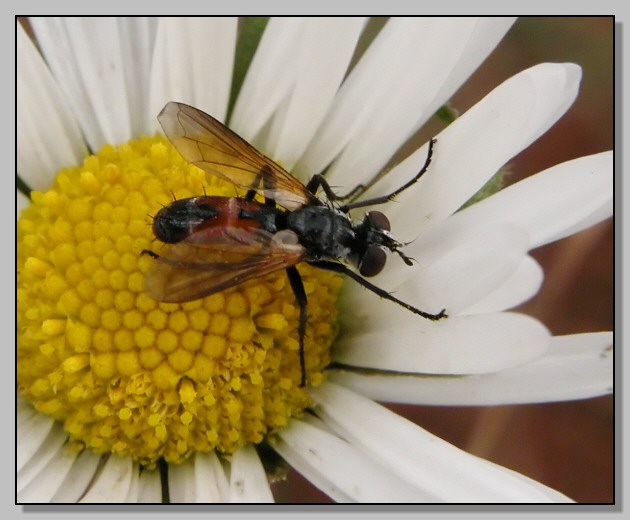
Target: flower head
{"type": "Point", "coordinates": [125, 373]}
{"type": "Point", "coordinates": [116, 386]}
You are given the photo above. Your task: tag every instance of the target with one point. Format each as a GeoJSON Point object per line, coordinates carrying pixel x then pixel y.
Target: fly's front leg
{"type": "Point", "coordinates": [300, 297]}
{"type": "Point", "coordinates": [387, 198]}
{"type": "Point", "coordinates": [340, 268]}
{"type": "Point", "coordinates": [319, 180]}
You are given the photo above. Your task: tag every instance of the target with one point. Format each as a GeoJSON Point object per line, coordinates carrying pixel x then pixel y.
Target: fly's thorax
{"type": "Point", "coordinates": [324, 232]}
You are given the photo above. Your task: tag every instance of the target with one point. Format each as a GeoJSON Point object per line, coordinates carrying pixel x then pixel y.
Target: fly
{"type": "Point", "coordinates": [214, 243]}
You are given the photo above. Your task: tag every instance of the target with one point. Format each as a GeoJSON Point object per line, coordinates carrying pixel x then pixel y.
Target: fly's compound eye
{"type": "Point", "coordinates": [373, 261]}
{"type": "Point", "coordinates": [378, 220]}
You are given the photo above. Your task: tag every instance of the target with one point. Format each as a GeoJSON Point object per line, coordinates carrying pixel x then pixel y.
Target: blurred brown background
{"type": "Point", "coordinates": [568, 446]}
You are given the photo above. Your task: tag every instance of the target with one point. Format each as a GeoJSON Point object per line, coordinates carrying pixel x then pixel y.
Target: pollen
{"type": "Point", "coordinates": [130, 375]}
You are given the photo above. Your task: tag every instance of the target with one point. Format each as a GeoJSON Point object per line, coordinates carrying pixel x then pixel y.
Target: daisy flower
{"type": "Point", "coordinates": [122, 398]}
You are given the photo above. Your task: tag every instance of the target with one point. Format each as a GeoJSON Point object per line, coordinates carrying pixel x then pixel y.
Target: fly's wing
{"type": "Point", "coordinates": [213, 147]}
{"type": "Point", "coordinates": [206, 263]}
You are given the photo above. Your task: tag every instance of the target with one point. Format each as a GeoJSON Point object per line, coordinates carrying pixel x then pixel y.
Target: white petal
{"type": "Point", "coordinates": [456, 345]}
{"type": "Point", "coordinates": [419, 457]}
{"type": "Point", "coordinates": [248, 481]}
{"type": "Point", "coordinates": [48, 137]}
{"type": "Point", "coordinates": [86, 56]}
{"type": "Point", "coordinates": [211, 482]}
{"type": "Point", "coordinates": [575, 367]}
{"type": "Point", "coordinates": [47, 450]}
{"type": "Point", "coordinates": [150, 487]}
{"type": "Point", "coordinates": [486, 35]}
{"type": "Point", "coordinates": [112, 483]}
{"type": "Point", "coordinates": [137, 40]}
{"type": "Point", "coordinates": [554, 203]}
{"type": "Point", "coordinates": [551, 494]}
{"type": "Point", "coordinates": [45, 484]}
{"type": "Point", "coordinates": [373, 122]}
{"type": "Point", "coordinates": [78, 478]}
{"type": "Point", "coordinates": [25, 412]}
{"type": "Point", "coordinates": [193, 63]}
{"type": "Point", "coordinates": [470, 150]}
{"type": "Point", "coordinates": [21, 202]}
{"type": "Point", "coordinates": [31, 435]}
{"type": "Point", "coordinates": [456, 266]}
{"type": "Point", "coordinates": [340, 470]}
{"type": "Point", "coordinates": [133, 491]}
{"type": "Point", "coordinates": [522, 284]}
{"type": "Point", "coordinates": [322, 65]}
{"type": "Point", "coordinates": [270, 76]}
{"type": "Point", "coordinates": [394, 111]}
{"type": "Point", "coordinates": [367, 124]}
{"type": "Point", "coordinates": [597, 216]}
{"type": "Point", "coordinates": [181, 483]}
{"type": "Point", "coordinates": [315, 421]}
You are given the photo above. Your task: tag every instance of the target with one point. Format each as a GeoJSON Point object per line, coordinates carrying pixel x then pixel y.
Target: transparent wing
{"type": "Point", "coordinates": [210, 145]}
{"type": "Point", "coordinates": [206, 263]}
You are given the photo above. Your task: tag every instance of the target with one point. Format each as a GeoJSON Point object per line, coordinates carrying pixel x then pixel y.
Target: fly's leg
{"type": "Point", "coordinates": [393, 194]}
{"type": "Point", "coordinates": [266, 176]}
{"type": "Point", "coordinates": [318, 180]}
{"type": "Point", "coordinates": [300, 297]}
{"type": "Point", "coordinates": [340, 268]}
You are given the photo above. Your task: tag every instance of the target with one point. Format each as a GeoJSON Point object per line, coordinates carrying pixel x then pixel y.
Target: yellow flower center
{"type": "Point", "coordinates": [127, 374]}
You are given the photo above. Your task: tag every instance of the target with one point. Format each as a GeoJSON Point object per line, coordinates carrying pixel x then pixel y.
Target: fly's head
{"type": "Point", "coordinates": [372, 238]}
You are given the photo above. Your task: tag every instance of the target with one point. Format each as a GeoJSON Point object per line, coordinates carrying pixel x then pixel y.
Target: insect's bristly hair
{"type": "Point", "coordinates": [163, 206]}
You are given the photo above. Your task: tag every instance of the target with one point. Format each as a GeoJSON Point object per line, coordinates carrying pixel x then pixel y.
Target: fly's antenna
{"type": "Point", "coordinates": [408, 260]}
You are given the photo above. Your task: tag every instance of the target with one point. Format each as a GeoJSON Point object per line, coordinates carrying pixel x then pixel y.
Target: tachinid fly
{"type": "Point", "coordinates": [217, 242]}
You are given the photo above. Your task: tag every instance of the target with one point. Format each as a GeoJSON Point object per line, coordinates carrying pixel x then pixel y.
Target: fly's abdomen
{"type": "Point", "coordinates": [184, 217]}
